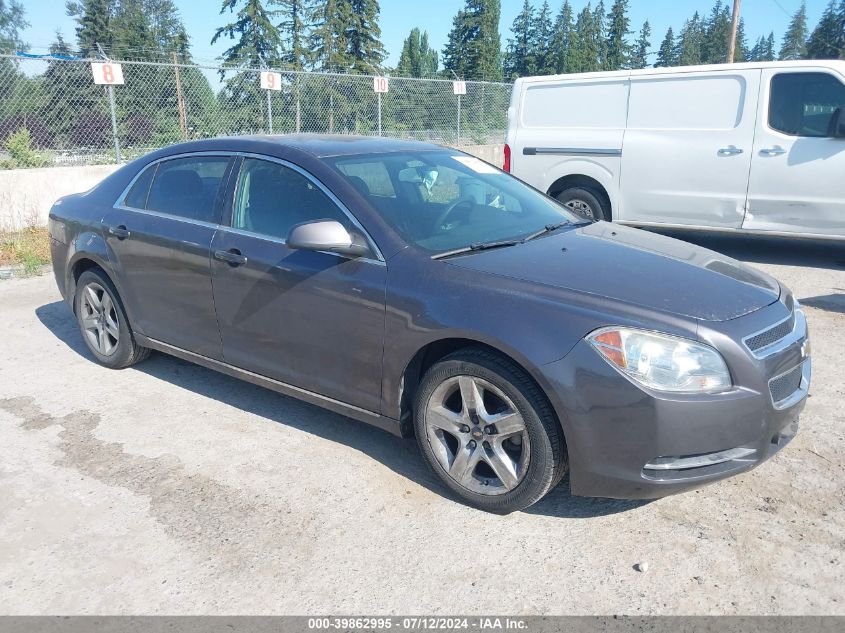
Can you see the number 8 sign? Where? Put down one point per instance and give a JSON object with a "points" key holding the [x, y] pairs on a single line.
{"points": [[107, 73]]}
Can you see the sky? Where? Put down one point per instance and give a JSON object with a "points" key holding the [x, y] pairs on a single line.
{"points": [[398, 17]]}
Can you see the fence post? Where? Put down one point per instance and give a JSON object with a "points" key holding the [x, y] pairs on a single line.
{"points": [[180, 101], [298, 111], [110, 93], [379, 113], [458, 140], [269, 112]]}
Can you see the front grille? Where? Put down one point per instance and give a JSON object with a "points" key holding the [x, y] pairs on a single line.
{"points": [[770, 336], [785, 385]]}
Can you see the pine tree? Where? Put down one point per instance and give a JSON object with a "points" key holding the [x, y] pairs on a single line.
{"points": [[418, 59], [717, 33], [328, 38], [794, 44], [618, 29], [639, 57], [473, 49], [93, 20], [666, 54], [586, 53], [827, 41], [600, 36], [258, 42], [297, 18], [363, 35], [561, 45], [541, 48], [689, 45], [741, 48], [519, 60]]}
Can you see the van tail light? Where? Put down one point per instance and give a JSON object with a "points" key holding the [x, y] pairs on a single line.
{"points": [[507, 166]]}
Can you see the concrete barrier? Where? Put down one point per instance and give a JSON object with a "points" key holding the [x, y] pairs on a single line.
{"points": [[26, 195]]}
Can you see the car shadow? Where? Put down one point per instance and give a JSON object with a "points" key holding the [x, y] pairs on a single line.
{"points": [[400, 455], [767, 250]]}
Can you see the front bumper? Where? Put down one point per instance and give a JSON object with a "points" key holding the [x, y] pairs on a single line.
{"points": [[627, 442]]}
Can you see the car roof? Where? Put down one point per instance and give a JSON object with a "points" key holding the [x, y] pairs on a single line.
{"points": [[317, 145]]}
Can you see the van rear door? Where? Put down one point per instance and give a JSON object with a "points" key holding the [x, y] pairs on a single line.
{"points": [[797, 167], [687, 148]]}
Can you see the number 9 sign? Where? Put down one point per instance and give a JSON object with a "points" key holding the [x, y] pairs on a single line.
{"points": [[270, 80], [107, 73]]}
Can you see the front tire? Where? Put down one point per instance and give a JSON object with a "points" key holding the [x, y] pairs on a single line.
{"points": [[587, 203], [103, 323], [488, 432]]}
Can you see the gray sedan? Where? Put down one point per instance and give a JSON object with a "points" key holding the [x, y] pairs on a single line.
{"points": [[422, 290]]}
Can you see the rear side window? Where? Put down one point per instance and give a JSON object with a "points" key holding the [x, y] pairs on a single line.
{"points": [[137, 196], [271, 199], [188, 187], [803, 104]]}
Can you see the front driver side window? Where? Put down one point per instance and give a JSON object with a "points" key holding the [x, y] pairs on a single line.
{"points": [[804, 104], [270, 199]]}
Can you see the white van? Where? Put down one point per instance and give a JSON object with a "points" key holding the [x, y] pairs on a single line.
{"points": [[754, 148]]}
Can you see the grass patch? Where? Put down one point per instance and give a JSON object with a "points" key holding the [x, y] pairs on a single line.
{"points": [[29, 247]]}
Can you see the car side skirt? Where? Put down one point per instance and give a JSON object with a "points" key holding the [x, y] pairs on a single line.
{"points": [[372, 418]]}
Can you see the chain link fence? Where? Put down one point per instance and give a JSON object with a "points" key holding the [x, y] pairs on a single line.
{"points": [[73, 121]]}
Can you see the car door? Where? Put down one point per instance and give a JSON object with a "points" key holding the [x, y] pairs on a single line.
{"points": [[313, 320], [796, 182], [687, 148], [159, 240]]}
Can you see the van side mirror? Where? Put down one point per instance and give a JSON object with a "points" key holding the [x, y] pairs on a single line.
{"points": [[325, 235], [837, 123]]}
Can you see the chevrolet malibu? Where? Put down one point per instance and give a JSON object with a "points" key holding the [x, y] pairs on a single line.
{"points": [[426, 292]]}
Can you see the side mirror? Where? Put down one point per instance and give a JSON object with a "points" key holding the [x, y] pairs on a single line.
{"points": [[325, 235], [837, 123]]}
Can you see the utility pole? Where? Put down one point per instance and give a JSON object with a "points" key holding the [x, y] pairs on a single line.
{"points": [[180, 102], [734, 25]]}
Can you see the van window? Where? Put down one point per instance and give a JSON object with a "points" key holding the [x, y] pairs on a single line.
{"points": [[599, 104], [687, 103], [188, 187], [803, 104]]}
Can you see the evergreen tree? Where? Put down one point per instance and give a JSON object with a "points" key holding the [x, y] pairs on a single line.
{"points": [[519, 60], [763, 50], [741, 49], [618, 27], [297, 18], [328, 39], [561, 44], [473, 49], [666, 54], [794, 45], [639, 57], [257, 40], [584, 40], [418, 59], [12, 22], [690, 41], [717, 33], [600, 36], [363, 36], [93, 22], [541, 49], [827, 41]]}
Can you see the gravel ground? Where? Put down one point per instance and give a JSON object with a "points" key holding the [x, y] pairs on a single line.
{"points": [[169, 488]]}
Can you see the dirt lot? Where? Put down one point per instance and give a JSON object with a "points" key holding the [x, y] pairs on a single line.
{"points": [[169, 488]]}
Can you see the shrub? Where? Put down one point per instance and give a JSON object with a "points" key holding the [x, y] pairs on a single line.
{"points": [[40, 136], [21, 154]]}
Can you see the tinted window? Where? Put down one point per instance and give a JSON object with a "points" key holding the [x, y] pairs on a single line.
{"points": [[272, 198], [803, 104], [188, 187], [137, 196]]}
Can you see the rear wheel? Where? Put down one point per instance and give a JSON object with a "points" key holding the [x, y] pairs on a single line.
{"points": [[103, 323], [488, 432], [586, 203]]}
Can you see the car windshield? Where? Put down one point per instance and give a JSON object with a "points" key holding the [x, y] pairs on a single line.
{"points": [[444, 200]]}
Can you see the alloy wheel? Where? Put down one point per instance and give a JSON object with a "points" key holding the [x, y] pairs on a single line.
{"points": [[580, 207], [99, 319], [477, 435]]}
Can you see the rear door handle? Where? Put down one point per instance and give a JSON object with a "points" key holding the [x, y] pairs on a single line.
{"points": [[120, 232], [730, 151], [232, 256], [777, 150]]}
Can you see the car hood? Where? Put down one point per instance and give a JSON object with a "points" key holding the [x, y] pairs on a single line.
{"points": [[634, 266]]}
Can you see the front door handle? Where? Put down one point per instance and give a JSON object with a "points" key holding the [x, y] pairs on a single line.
{"points": [[232, 256], [777, 150], [730, 151], [120, 231]]}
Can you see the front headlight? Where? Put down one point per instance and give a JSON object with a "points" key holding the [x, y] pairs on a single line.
{"points": [[661, 361]]}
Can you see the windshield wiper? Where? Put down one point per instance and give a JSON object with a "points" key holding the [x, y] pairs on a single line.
{"points": [[549, 228], [478, 246]]}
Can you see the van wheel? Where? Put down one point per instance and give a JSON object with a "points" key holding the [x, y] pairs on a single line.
{"points": [[488, 432], [103, 323], [587, 203]]}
